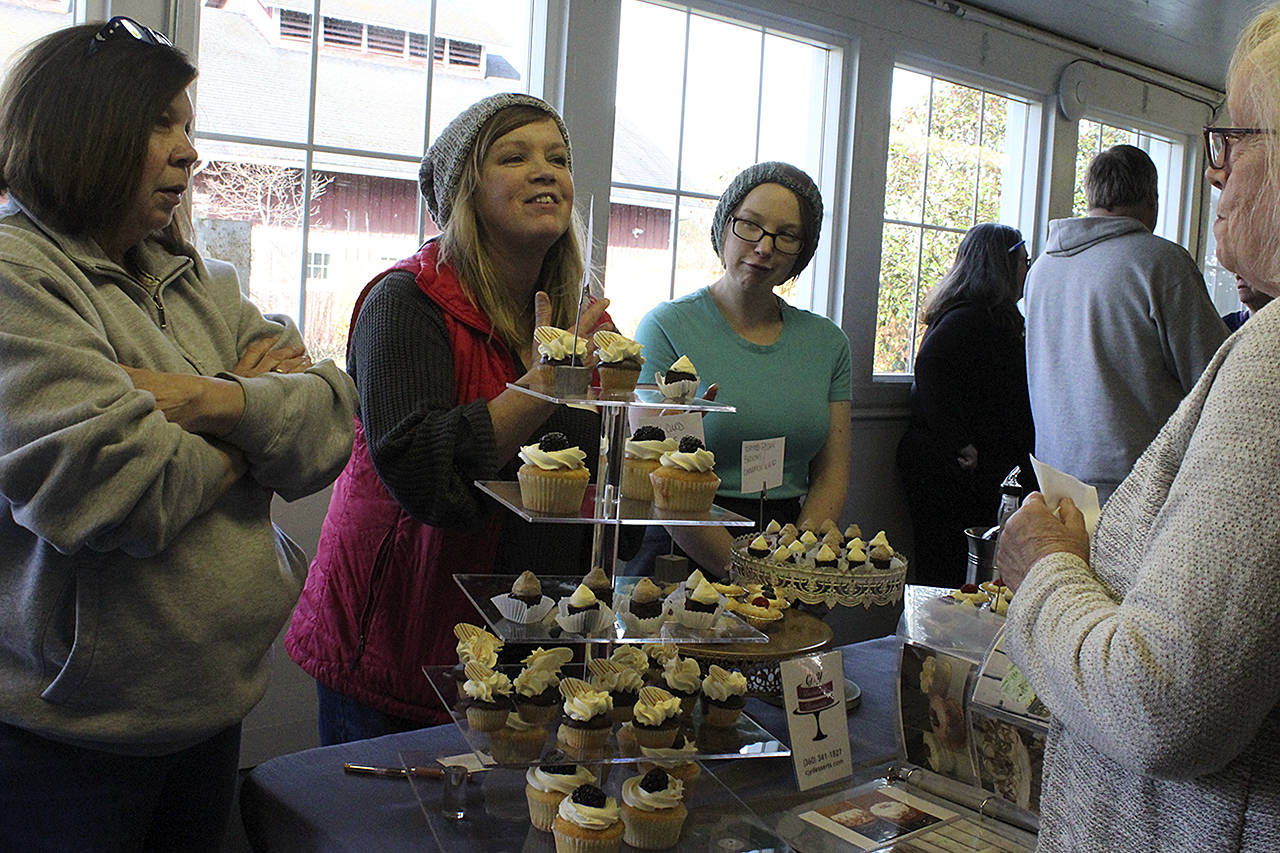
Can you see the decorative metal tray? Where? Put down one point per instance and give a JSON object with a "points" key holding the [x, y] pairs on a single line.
{"points": [[865, 586], [795, 634]]}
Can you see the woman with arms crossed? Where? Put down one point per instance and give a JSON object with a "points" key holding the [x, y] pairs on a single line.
{"points": [[148, 412], [1157, 645], [786, 370]]}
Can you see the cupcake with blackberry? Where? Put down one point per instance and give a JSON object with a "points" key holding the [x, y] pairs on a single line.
{"points": [[488, 698], [684, 480], [600, 585], [553, 478], [587, 822], [537, 686], [677, 760], [723, 695], [640, 457], [622, 683], [620, 361], [682, 678], [642, 612], [525, 603], [700, 608], [546, 786], [680, 381], [656, 720], [587, 712], [653, 811]]}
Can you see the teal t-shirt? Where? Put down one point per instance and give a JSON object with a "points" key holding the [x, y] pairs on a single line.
{"points": [[783, 389]]}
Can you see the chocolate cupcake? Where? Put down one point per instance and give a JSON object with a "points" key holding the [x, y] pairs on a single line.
{"points": [[527, 589], [600, 585], [646, 600]]}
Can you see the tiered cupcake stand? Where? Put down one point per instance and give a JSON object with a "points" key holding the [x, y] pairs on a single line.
{"points": [[495, 814]]}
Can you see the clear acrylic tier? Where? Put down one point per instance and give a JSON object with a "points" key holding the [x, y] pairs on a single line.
{"points": [[745, 739], [644, 396], [495, 813], [614, 511], [482, 589]]}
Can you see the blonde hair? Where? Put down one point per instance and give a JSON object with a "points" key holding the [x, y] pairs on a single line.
{"points": [[1258, 51], [465, 244]]}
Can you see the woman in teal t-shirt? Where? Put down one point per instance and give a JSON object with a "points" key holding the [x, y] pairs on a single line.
{"points": [[785, 370]]}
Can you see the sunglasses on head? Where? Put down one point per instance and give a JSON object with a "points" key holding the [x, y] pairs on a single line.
{"points": [[121, 27]]}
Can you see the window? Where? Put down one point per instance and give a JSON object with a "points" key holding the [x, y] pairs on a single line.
{"points": [[733, 94], [309, 188], [25, 21], [1095, 136], [957, 157]]}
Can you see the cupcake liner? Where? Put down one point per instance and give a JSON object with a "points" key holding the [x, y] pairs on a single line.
{"points": [[519, 612], [635, 483], [555, 495], [539, 715], [584, 740], [659, 830], [639, 627], [543, 806], [586, 622], [683, 495], [617, 380], [720, 717], [693, 619], [660, 738], [487, 719], [681, 389], [574, 839]]}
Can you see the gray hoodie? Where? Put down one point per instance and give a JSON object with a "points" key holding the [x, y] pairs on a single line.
{"points": [[137, 599], [1119, 327]]}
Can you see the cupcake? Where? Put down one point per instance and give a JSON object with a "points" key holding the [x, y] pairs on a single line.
{"points": [[653, 813], [582, 612], [834, 539], [683, 480], [631, 656], [645, 602], [825, 558], [586, 716], [620, 361], [808, 539], [853, 531], [622, 683], [683, 680], [879, 551], [786, 540], [789, 530], [828, 526], [680, 381], [537, 685], [700, 608], [656, 720], [525, 603], [517, 741], [723, 695], [772, 528], [561, 368], [695, 578], [489, 695], [855, 556], [476, 644], [677, 760], [553, 478], [640, 458], [600, 585], [659, 654], [546, 786], [587, 822], [759, 548]]}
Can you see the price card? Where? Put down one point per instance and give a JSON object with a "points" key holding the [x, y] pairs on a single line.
{"points": [[675, 426], [813, 690], [762, 464]]}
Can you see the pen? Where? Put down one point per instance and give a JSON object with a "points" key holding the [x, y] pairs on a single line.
{"points": [[396, 772]]}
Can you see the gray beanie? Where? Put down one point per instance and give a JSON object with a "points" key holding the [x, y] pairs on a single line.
{"points": [[442, 167], [773, 172]]}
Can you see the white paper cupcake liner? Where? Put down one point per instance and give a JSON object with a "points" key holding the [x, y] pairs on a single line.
{"points": [[519, 612], [586, 622], [681, 389], [675, 605], [641, 627]]}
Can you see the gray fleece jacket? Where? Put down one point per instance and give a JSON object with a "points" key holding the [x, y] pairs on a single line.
{"points": [[1119, 327], [137, 599]]}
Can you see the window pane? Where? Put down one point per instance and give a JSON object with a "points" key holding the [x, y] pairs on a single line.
{"points": [[647, 128], [696, 262], [1094, 136], [955, 123], [792, 70], [992, 159], [639, 263], [908, 143], [720, 111], [899, 268]]}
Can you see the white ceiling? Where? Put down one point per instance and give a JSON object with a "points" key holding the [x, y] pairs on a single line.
{"points": [[1192, 39]]}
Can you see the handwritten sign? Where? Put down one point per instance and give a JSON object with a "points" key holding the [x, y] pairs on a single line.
{"points": [[813, 689], [675, 426], [762, 464]]}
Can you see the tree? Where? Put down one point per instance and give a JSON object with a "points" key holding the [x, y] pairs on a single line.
{"points": [[255, 192]]}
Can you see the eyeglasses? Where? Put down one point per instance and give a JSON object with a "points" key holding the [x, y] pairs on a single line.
{"points": [[121, 27], [1018, 245], [1218, 140], [745, 229]]}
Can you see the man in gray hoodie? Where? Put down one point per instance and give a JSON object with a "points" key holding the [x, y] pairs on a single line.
{"points": [[1119, 326]]}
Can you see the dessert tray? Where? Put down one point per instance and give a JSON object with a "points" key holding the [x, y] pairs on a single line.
{"points": [[745, 739], [795, 634], [864, 585]]}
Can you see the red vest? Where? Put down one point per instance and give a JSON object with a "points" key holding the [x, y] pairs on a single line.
{"points": [[380, 600]]}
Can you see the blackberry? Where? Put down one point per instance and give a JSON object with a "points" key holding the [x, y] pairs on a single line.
{"points": [[589, 795], [561, 769], [649, 433], [553, 441], [690, 443], [655, 780]]}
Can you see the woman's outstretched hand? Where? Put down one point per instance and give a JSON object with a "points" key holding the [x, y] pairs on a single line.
{"points": [[1034, 532]]}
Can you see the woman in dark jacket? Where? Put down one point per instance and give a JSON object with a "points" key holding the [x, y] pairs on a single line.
{"points": [[970, 414]]}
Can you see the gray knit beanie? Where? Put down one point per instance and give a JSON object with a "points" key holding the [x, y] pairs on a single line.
{"points": [[442, 167], [773, 172]]}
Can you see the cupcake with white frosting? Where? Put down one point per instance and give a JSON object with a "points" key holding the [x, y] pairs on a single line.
{"points": [[582, 613], [587, 821], [622, 683], [546, 786], [587, 716], [682, 678], [656, 719], [684, 480], [701, 607], [653, 811], [553, 478], [537, 686], [640, 455], [680, 381], [620, 361], [489, 698], [723, 695]]}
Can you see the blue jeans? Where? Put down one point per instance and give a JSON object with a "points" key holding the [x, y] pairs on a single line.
{"points": [[58, 797], [343, 719]]}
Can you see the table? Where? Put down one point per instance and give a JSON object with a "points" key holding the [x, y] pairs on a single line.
{"points": [[305, 802]]}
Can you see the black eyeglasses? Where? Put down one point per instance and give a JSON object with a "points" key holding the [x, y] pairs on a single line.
{"points": [[787, 244], [121, 27], [1218, 141]]}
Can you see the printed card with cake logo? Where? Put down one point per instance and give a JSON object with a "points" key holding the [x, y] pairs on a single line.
{"points": [[813, 690], [876, 816]]}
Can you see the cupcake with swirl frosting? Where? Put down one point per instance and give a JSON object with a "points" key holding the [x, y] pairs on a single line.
{"points": [[561, 368], [622, 684], [546, 786], [676, 760], [680, 381], [653, 811], [489, 698], [553, 478], [620, 361], [587, 716], [587, 821], [684, 480], [723, 695], [682, 678], [631, 656], [701, 607], [656, 719], [640, 457], [537, 686]]}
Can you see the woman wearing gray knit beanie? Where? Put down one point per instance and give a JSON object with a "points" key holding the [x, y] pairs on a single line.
{"points": [[786, 370], [434, 342]]}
